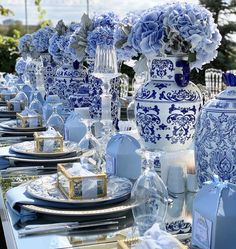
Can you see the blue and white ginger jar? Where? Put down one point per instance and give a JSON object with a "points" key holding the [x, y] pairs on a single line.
{"points": [[167, 105], [215, 143], [49, 71], [95, 91], [71, 80]]}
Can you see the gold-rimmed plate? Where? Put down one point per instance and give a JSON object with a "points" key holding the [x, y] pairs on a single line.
{"points": [[118, 208], [45, 188], [28, 148], [12, 125]]}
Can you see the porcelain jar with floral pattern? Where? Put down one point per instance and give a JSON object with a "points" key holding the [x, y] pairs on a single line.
{"points": [[31, 70], [71, 81], [167, 105], [215, 143], [49, 70], [95, 91]]}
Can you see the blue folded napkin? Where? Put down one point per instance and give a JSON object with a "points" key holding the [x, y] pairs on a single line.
{"points": [[18, 196]]}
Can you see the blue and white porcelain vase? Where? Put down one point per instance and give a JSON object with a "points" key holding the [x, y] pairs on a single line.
{"points": [[95, 91], [71, 80], [31, 71], [49, 70], [167, 105], [215, 142]]}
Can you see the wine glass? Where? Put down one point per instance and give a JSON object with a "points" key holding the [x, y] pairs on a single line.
{"points": [[150, 195], [55, 120], [90, 144], [105, 68]]}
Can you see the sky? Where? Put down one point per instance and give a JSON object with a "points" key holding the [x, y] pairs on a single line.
{"points": [[72, 10]]}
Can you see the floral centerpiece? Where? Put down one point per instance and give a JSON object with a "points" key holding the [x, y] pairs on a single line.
{"points": [[70, 82], [59, 42], [83, 42], [92, 32], [40, 39], [26, 47], [174, 38], [175, 29]]}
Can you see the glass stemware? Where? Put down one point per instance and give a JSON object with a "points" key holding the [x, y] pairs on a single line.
{"points": [[55, 120], [150, 195], [105, 68], [91, 144]]}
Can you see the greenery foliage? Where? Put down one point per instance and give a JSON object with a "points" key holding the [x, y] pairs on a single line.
{"points": [[8, 53]]}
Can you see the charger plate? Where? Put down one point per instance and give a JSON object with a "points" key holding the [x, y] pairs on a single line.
{"points": [[12, 125], [42, 160], [45, 188], [118, 208], [28, 148]]}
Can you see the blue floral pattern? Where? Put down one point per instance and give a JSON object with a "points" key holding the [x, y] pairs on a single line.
{"points": [[182, 120], [148, 117], [215, 146], [180, 95], [161, 68]]}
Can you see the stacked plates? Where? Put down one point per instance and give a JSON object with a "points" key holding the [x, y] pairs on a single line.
{"points": [[25, 152], [5, 113], [9, 128], [45, 189]]}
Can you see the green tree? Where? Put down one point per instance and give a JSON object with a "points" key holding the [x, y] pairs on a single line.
{"points": [[223, 14], [41, 14], [8, 53]]}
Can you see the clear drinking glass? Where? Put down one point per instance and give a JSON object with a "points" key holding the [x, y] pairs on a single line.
{"points": [[150, 195], [55, 120]]}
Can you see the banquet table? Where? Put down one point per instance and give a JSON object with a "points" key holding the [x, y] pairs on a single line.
{"points": [[178, 216]]}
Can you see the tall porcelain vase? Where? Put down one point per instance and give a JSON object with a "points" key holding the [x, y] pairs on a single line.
{"points": [[215, 145], [49, 71], [167, 105], [95, 91], [71, 84]]}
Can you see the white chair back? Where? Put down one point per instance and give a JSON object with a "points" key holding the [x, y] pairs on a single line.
{"points": [[214, 82]]}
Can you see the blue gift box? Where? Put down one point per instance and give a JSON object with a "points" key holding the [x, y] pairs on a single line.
{"points": [[121, 157], [75, 129], [214, 216]]}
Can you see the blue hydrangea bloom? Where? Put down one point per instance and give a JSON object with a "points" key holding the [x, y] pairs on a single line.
{"points": [[177, 28], [103, 35], [109, 19], [40, 38]]}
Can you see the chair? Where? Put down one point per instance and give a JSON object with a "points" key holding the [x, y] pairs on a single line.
{"points": [[214, 82]]}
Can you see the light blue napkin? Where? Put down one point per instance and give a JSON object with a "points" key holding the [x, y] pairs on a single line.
{"points": [[18, 196]]}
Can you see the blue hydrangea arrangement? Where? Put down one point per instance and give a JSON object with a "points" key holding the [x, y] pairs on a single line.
{"points": [[92, 32], [59, 42], [26, 47], [177, 28], [125, 50], [40, 39]]}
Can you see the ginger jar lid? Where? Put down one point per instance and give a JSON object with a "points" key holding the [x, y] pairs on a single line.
{"points": [[230, 91]]}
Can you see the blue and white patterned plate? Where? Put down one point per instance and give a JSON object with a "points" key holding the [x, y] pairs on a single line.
{"points": [[45, 188]]}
